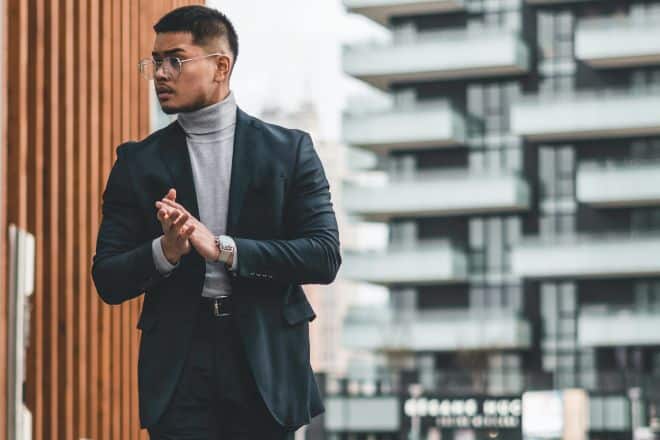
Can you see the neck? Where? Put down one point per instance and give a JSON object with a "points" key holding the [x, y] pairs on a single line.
{"points": [[219, 95], [210, 119]]}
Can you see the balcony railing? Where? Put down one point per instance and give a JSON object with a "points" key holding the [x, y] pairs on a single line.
{"points": [[615, 184], [439, 193], [432, 125], [588, 256], [619, 41], [385, 330], [428, 262], [587, 115], [382, 10], [475, 380], [446, 55], [617, 327]]}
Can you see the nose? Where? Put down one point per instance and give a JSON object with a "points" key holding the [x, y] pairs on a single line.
{"points": [[160, 72]]}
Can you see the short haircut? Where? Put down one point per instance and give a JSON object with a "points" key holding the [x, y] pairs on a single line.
{"points": [[205, 24]]}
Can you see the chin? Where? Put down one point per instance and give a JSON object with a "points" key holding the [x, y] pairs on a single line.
{"points": [[169, 109]]}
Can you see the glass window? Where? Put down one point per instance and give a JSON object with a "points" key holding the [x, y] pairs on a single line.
{"points": [[566, 160], [476, 233], [494, 247], [567, 297]]}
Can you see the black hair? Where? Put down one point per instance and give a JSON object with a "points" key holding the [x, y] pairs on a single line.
{"points": [[203, 23]]}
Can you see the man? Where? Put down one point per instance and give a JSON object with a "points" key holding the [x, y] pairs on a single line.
{"points": [[218, 219]]}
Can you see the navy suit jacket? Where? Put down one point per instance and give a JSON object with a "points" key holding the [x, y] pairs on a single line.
{"points": [[282, 220]]}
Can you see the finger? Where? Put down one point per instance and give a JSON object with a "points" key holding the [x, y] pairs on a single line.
{"points": [[180, 223], [162, 207], [169, 216], [163, 218], [171, 194], [185, 231], [175, 215], [174, 204], [159, 204], [182, 218], [189, 230], [164, 214]]}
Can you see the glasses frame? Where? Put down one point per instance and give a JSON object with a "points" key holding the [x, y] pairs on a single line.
{"points": [[179, 63]]}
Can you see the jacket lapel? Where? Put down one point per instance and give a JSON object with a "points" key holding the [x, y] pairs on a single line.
{"points": [[242, 168], [177, 159], [175, 155]]}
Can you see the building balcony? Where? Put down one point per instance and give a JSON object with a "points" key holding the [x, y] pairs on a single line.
{"points": [[555, 2], [582, 256], [587, 115], [609, 327], [430, 262], [421, 126], [438, 194], [382, 10], [619, 184], [382, 329], [438, 56], [618, 41]]}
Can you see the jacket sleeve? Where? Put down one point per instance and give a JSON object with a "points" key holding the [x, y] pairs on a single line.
{"points": [[123, 265], [312, 253]]}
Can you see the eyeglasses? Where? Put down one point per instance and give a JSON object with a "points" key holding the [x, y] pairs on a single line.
{"points": [[171, 65]]}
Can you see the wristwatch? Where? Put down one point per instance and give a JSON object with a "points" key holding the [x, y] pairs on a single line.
{"points": [[226, 247]]}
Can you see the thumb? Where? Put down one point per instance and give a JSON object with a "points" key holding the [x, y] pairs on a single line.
{"points": [[171, 194]]}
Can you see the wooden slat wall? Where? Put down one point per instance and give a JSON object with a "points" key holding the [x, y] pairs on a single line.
{"points": [[3, 205], [72, 94]]}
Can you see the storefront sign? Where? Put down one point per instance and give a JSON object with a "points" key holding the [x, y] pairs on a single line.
{"points": [[470, 412]]}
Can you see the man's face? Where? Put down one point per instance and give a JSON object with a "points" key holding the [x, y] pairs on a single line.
{"points": [[195, 84]]}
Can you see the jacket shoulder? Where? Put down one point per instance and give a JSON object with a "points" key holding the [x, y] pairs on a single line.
{"points": [[279, 135], [151, 141]]}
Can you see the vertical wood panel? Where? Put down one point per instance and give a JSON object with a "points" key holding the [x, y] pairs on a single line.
{"points": [[71, 95], [106, 107], [82, 146], [4, 58], [93, 214], [66, 317], [51, 233], [124, 322], [36, 214]]}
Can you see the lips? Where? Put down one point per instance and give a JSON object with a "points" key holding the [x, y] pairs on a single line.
{"points": [[164, 92]]}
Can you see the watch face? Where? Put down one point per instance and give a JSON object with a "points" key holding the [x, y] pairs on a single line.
{"points": [[225, 246]]}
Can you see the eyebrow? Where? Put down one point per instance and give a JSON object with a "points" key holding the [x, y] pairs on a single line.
{"points": [[168, 52]]}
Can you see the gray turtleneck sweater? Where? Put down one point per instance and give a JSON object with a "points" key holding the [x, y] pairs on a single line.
{"points": [[210, 140]]}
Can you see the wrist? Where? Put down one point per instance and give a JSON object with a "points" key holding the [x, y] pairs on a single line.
{"points": [[226, 249], [171, 256]]}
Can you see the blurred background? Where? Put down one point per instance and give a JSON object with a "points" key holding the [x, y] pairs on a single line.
{"points": [[495, 170]]}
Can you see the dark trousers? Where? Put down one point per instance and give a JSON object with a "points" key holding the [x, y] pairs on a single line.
{"points": [[216, 397]]}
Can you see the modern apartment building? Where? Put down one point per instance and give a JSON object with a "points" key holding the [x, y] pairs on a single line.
{"points": [[522, 149]]}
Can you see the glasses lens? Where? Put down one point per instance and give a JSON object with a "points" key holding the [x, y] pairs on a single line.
{"points": [[171, 67], [146, 68]]}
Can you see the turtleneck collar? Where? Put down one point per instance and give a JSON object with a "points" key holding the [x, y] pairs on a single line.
{"points": [[210, 119]]}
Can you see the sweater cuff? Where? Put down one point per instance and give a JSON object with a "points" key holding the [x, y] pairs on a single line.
{"points": [[160, 261]]}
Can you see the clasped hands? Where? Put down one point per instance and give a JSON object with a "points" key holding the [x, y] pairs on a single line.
{"points": [[182, 231]]}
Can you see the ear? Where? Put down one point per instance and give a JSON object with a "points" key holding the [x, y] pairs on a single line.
{"points": [[223, 66]]}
